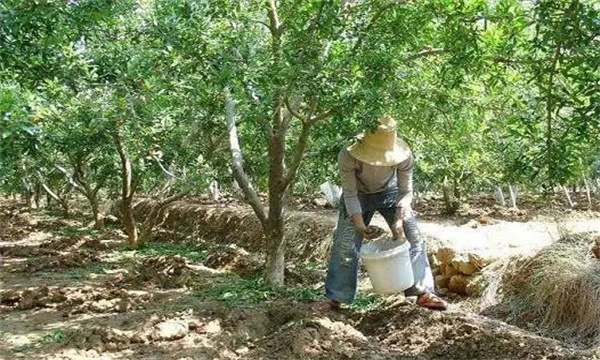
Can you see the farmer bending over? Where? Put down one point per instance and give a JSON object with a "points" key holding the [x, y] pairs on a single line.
{"points": [[376, 175]]}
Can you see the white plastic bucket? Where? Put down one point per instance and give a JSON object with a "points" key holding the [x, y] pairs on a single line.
{"points": [[388, 265]]}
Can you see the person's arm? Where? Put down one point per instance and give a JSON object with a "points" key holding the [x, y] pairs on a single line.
{"points": [[348, 168], [404, 175]]}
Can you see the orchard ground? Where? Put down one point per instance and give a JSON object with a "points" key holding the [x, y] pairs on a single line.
{"points": [[70, 291]]}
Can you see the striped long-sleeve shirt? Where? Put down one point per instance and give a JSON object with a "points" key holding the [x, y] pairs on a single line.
{"points": [[358, 177]]}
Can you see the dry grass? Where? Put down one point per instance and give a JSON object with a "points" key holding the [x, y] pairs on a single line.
{"points": [[557, 290]]}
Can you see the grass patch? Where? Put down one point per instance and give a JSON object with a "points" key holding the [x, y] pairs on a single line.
{"points": [[76, 230], [365, 302], [252, 291], [192, 252], [55, 336]]}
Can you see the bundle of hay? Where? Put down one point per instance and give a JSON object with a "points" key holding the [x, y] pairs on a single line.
{"points": [[557, 290]]}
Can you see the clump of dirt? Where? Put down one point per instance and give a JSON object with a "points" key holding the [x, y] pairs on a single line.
{"points": [[74, 300], [167, 272], [164, 328], [318, 337], [25, 299], [24, 251], [235, 259], [415, 331], [56, 261], [63, 243], [87, 299]]}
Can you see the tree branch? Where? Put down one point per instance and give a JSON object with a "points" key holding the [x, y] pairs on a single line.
{"points": [[298, 154], [237, 162], [425, 52], [292, 111], [172, 198]]}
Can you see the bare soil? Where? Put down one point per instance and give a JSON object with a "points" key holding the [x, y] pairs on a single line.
{"points": [[69, 291]]}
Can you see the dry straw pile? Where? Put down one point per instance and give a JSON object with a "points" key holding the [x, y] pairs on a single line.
{"points": [[557, 290]]}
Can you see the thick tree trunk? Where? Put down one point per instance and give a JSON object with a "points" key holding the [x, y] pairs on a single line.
{"points": [[95, 205], [38, 196], [451, 203], [275, 237], [29, 199]]}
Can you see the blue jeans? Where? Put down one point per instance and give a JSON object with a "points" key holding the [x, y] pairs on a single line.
{"points": [[342, 273]]}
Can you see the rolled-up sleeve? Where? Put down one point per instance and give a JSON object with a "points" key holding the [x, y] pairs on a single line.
{"points": [[404, 174], [348, 169]]}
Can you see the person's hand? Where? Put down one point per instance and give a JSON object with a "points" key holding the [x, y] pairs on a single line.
{"points": [[369, 232], [397, 230]]}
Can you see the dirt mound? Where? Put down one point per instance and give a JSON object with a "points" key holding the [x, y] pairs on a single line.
{"points": [[24, 251], [413, 331], [74, 300], [235, 259], [59, 261], [318, 337], [166, 328], [25, 299], [307, 233], [166, 272], [63, 243]]}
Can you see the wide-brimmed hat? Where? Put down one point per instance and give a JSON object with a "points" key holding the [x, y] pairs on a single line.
{"points": [[380, 147]]}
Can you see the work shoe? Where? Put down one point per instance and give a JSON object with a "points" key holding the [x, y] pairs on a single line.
{"points": [[325, 306], [432, 301]]}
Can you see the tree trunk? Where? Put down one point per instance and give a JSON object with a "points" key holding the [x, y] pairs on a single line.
{"points": [[587, 192], [128, 219], [48, 200], [500, 196], [38, 196], [126, 193], [513, 196], [450, 202], [570, 202], [95, 205], [29, 199]]}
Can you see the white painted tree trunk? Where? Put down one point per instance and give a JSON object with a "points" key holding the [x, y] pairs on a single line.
{"points": [[214, 191], [499, 196], [587, 192], [566, 191], [513, 195]]}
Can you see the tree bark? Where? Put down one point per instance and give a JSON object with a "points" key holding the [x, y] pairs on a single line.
{"points": [[587, 192], [126, 193], [450, 202]]}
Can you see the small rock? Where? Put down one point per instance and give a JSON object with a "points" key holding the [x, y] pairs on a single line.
{"points": [[242, 351], [193, 324], [139, 338], [320, 202], [464, 267], [445, 255], [102, 306], [458, 284], [441, 281], [213, 327], [170, 330]]}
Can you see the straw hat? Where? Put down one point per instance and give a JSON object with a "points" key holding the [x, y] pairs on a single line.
{"points": [[382, 146]]}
